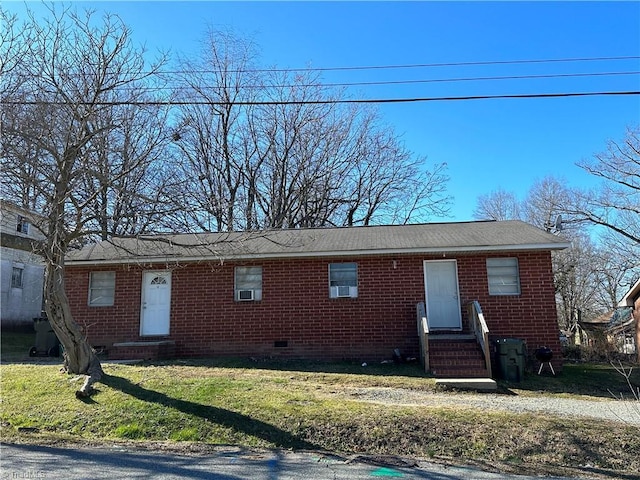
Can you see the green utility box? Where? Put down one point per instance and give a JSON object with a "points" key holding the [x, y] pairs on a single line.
{"points": [[46, 341], [511, 358]]}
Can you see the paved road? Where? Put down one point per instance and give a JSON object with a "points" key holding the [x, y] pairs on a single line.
{"points": [[42, 462]]}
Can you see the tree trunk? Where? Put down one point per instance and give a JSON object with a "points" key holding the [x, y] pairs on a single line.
{"points": [[79, 357]]}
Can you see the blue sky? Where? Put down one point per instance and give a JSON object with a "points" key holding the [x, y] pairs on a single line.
{"points": [[487, 144]]}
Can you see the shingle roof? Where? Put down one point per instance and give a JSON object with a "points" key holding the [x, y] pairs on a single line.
{"points": [[509, 235]]}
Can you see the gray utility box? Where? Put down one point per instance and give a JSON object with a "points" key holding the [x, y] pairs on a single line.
{"points": [[511, 358], [47, 343]]}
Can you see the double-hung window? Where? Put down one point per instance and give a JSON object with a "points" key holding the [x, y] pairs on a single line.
{"points": [[22, 225], [248, 284], [102, 288], [17, 277], [503, 276], [343, 280]]}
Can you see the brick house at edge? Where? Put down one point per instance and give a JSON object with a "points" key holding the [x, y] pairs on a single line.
{"points": [[326, 293]]}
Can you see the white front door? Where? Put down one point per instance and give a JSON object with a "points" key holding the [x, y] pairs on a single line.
{"points": [[443, 301], [156, 303]]}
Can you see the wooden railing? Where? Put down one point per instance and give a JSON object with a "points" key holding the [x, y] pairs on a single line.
{"points": [[423, 334], [481, 332]]}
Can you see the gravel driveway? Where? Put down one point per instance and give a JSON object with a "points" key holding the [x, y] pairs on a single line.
{"points": [[626, 411]]}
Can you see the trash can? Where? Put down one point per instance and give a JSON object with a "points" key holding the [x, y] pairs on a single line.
{"points": [[511, 358], [46, 340]]}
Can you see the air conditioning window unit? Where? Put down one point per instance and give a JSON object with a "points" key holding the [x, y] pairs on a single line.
{"points": [[245, 295], [343, 291]]}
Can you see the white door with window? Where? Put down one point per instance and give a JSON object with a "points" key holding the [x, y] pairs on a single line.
{"points": [[443, 300], [156, 303]]}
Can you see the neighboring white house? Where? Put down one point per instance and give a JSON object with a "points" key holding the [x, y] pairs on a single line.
{"points": [[21, 271]]}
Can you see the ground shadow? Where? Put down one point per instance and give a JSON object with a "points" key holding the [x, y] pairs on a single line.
{"points": [[595, 380], [388, 368], [220, 416], [53, 462]]}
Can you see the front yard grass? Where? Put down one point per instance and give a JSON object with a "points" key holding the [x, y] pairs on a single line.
{"points": [[186, 405]]}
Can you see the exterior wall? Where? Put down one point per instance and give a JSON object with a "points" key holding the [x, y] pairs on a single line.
{"points": [[636, 317], [531, 315], [18, 306], [296, 308]]}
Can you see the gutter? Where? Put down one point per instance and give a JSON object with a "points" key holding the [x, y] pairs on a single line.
{"points": [[335, 253]]}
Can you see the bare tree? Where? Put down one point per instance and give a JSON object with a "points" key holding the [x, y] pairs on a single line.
{"points": [[576, 282], [616, 203], [275, 149], [305, 150], [12, 49], [617, 268], [127, 177], [211, 130], [546, 201], [498, 205], [56, 116], [574, 268], [388, 184]]}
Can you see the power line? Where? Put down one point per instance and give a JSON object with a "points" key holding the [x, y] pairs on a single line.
{"points": [[388, 67], [418, 65], [411, 82], [325, 102], [391, 82]]}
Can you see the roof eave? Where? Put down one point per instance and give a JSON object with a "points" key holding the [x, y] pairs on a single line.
{"points": [[333, 253], [631, 296]]}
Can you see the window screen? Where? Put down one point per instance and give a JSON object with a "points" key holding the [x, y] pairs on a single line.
{"points": [[248, 283], [102, 287], [343, 280], [503, 276]]}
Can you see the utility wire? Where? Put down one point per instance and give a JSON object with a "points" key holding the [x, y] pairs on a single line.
{"points": [[389, 67], [325, 102], [390, 82], [417, 65], [410, 82]]}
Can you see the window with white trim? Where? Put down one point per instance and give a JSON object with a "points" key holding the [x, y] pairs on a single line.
{"points": [[248, 284], [17, 277], [503, 276], [102, 289], [343, 280]]}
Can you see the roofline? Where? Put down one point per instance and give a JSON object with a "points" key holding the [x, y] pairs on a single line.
{"points": [[627, 301], [12, 205], [333, 253]]}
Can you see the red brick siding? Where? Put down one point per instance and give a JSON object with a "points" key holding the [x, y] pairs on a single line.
{"points": [[530, 316], [296, 308]]}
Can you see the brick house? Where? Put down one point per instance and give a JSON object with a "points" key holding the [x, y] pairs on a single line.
{"points": [[326, 293]]}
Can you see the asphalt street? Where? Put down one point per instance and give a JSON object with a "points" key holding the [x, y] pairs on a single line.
{"points": [[45, 462]]}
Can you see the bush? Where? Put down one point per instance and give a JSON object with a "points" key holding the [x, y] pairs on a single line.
{"points": [[572, 352]]}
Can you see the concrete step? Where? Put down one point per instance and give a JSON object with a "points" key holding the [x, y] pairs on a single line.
{"points": [[481, 384]]}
